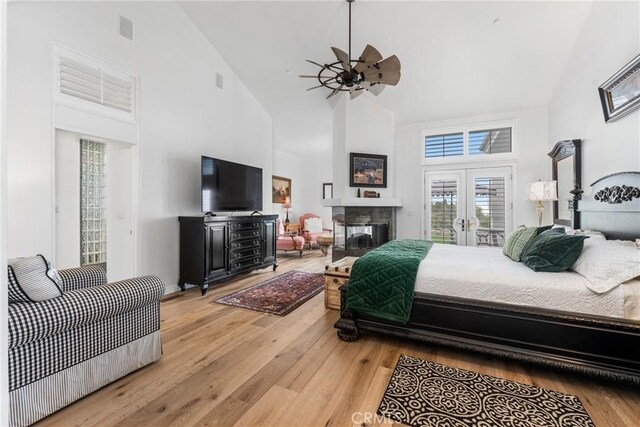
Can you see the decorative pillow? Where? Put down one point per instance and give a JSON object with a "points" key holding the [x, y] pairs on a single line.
{"points": [[553, 251], [606, 264], [313, 225], [33, 279], [517, 241], [280, 228], [547, 227]]}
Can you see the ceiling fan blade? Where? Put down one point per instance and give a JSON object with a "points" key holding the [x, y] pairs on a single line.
{"points": [[335, 91], [355, 92], [342, 57], [377, 89], [385, 72], [315, 87], [370, 56], [307, 77], [314, 63]]}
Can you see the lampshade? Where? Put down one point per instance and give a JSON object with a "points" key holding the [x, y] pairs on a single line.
{"points": [[287, 203], [543, 190]]}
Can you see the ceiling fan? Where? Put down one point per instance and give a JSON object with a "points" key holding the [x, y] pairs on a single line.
{"points": [[370, 72]]}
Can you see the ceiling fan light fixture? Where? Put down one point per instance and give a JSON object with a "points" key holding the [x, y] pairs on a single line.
{"points": [[370, 70]]}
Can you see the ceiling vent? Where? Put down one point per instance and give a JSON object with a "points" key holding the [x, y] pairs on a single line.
{"points": [[219, 81], [126, 28]]}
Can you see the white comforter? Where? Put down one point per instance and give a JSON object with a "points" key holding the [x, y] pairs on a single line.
{"points": [[486, 274]]}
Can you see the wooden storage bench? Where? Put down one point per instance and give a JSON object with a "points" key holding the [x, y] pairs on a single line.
{"points": [[336, 275]]}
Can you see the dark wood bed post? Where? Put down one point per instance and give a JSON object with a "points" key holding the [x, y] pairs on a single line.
{"points": [[347, 329]]}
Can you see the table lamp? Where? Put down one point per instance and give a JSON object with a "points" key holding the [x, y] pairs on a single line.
{"points": [[286, 206], [542, 191]]}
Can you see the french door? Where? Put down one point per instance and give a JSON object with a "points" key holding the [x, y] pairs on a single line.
{"points": [[468, 207]]}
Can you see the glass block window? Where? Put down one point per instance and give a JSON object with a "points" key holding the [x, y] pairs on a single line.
{"points": [[93, 221], [490, 141], [448, 145]]}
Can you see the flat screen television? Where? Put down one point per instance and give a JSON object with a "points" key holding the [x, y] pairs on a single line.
{"points": [[230, 187]]}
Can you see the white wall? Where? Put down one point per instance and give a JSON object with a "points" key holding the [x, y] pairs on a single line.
{"points": [[287, 165], [361, 126], [181, 117], [609, 40], [316, 170], [4, 323], [532, 164]]}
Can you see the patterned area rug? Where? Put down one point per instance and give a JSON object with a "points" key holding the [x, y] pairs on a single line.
{"points": [[422, 393], [280, 295]]}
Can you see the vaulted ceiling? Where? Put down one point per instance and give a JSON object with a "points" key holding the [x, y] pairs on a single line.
{"points": [[458, 58]]}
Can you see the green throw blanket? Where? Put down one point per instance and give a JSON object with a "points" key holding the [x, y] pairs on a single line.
{"points": [[382, 281]]}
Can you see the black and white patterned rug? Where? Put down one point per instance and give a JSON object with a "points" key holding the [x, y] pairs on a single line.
{"points": [[423, 393]]}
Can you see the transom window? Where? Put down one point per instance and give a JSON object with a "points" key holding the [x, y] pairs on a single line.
{"points": [[490, 141]]}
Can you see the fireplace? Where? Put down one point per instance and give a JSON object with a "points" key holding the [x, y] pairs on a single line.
{"points": [[359, 229]]}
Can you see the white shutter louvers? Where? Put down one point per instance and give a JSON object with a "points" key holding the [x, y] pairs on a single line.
{"points": [[89, 80]]}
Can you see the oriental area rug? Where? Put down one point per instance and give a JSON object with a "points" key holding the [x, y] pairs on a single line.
{"points": [[279, 295], [423, 393]]}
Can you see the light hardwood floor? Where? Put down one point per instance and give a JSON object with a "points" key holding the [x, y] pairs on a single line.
{"points": [[224, 366]]}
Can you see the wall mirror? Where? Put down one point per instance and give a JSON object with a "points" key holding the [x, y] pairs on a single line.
{"points": [[566, 170]]}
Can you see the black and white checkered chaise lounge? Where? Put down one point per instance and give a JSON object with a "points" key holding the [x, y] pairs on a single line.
{"points": [[67, 347]]}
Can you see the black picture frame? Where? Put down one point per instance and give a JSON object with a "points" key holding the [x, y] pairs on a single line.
{"points": [[327, 190], [620, 95], [367, 170]]}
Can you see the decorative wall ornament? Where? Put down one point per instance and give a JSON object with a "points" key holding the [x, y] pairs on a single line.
{"points": [[620, 95], [617, 194]]}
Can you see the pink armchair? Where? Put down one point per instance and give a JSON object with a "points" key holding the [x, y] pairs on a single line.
{"points": [[312, 230], [288, 241]]}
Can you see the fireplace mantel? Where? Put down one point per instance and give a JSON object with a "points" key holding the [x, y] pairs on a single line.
{"points": [[363, 201]]}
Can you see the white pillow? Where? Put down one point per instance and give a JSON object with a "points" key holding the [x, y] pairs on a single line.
{"points": [[36, 279], [313, 225], [606, 264]]}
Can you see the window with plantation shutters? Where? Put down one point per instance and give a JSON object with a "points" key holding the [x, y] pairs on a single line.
{"points": [[448, 145], [444, 210], [490, 141], [469, 143], [490, 210], [90, 83]]}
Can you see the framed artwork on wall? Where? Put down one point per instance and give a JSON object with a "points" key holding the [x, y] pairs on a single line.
{"points": [[327, 190], [620, 95], [368, 170], [280, 189]]}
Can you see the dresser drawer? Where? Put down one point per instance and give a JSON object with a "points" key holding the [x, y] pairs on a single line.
{"points": [[241, 245], [244, 234], [244, 253], [245, 263], [238, 226]]}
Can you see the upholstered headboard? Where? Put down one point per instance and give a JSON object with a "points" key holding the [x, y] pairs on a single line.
{"points": [[613, 207]]}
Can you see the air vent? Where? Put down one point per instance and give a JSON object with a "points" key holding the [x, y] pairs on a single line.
{"points": [[126, 28], [219, 81], [86, 81]]}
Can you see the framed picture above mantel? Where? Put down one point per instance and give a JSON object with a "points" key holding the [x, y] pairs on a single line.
{"points": [[367, 170], [620, 95]]}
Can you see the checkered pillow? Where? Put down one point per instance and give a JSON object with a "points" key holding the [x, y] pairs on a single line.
{"points": [[517, 241], [33, 279]]}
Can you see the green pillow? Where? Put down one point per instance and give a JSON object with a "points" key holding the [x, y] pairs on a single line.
{"points": [[546, 227], [553, 251], [517, 241]]}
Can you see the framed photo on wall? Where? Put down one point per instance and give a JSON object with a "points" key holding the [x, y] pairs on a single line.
{"points": [[280, 189], [367, 170], [327, 190], [620, 95]]}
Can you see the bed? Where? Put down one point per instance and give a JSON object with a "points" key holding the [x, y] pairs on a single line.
{"points": [[544, 318]]}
